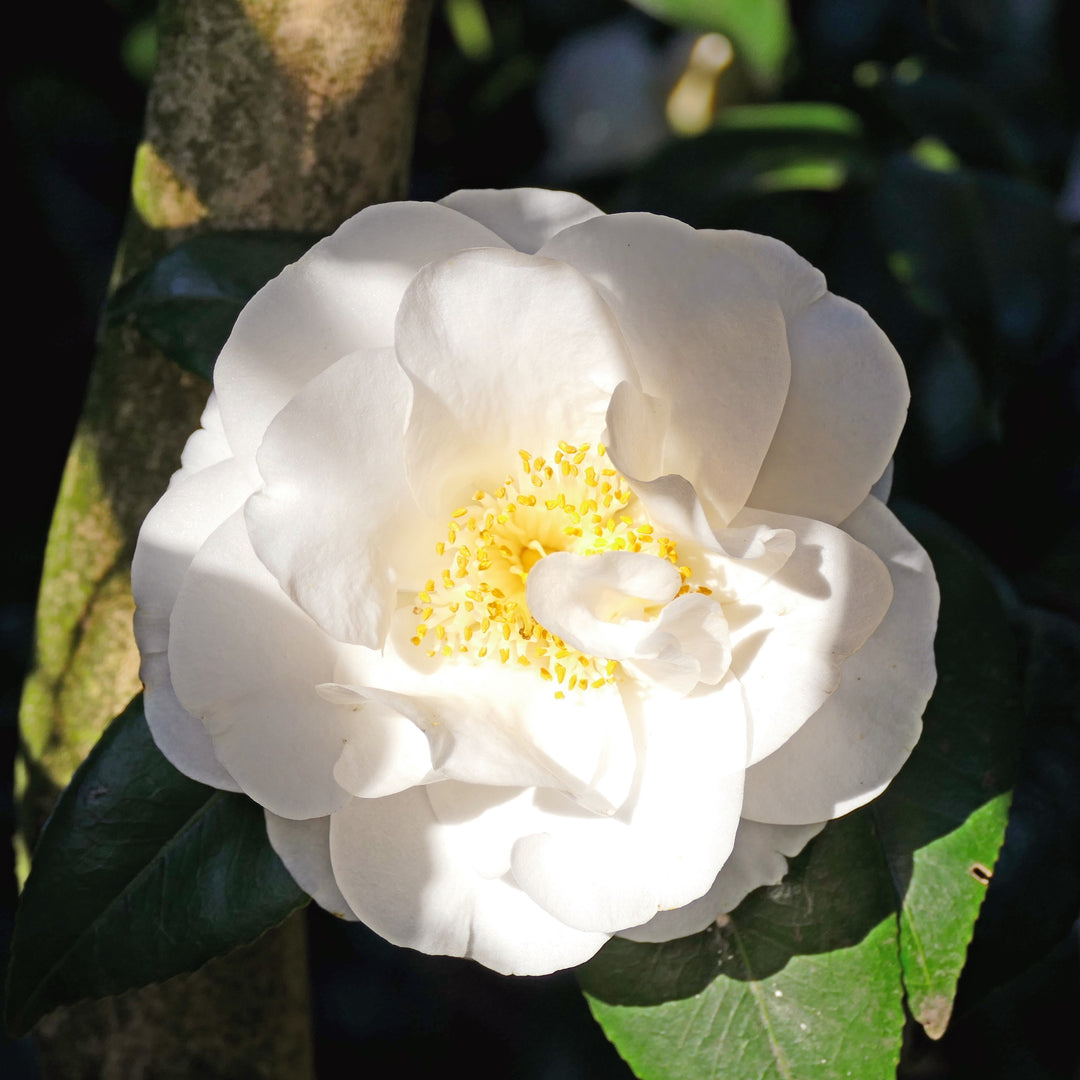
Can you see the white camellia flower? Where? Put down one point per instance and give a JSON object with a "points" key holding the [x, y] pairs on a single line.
{"points": [[526, 569]]}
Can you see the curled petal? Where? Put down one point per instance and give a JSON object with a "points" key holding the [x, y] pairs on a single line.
{"points": [[850, 749], [689, 645], [597, 603], [791, 635], [605, 606], [636, 426], [704, 336]]}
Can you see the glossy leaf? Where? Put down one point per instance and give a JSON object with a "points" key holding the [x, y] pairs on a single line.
{"points": [[187, 302], [943, 819], [139, 875]]}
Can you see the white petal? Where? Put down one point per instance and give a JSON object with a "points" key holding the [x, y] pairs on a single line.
{"points": [[794, 282], [304, 848], [384, 752], [336, 523], [883, 485], [414, 880], [342, 296], [850, 749], [207, 445], [506, 351], [194, 505], [526, 218], [705, 335], [791, 635], [759, 858], [636, 426], [664, 846], [597, 603], [245, 660], [689, 645], [844, 413], [177, 734]]}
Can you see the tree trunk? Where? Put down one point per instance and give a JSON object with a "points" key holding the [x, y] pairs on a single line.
{"points": [[287, 114]]}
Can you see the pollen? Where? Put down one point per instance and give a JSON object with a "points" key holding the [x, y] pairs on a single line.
{"points": [[475, 604]]}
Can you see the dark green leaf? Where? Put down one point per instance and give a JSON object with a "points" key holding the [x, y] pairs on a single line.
{"points": [[806, 978], [958, 114], [1039, 858], [744, 172], [188, 301], [140, 874], [984, 252]]}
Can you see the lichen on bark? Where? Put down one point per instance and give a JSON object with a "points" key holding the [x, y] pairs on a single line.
{"points": [[285, 114]]}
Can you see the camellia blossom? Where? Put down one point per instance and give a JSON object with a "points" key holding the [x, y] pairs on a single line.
{"points": [[529, 571]]}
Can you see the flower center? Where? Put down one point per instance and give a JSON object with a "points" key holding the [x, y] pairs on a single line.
{"points": [[476, 606]]}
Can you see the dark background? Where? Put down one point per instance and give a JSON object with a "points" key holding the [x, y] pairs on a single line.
{"points": [[944, 200]]}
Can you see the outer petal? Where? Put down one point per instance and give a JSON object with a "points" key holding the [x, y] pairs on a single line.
{"points": [[336, 523], [664, 846], [844, 413], [343, 295], [426, 884], [304, 848], [759, 858], [794, 282], [850, 749], [245, 660], [791, 634], [526, 218], [207, 445], [505, 351], [705, 335], [191, 509], [883, 485]]}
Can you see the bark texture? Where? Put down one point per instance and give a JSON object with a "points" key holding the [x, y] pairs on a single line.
{"points": [[286, 114]]}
